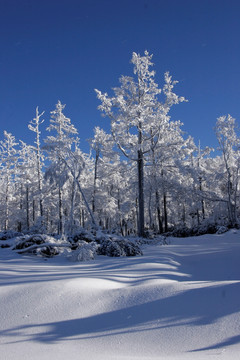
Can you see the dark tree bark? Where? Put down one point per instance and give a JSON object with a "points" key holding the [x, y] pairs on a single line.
{"points": [[140, 194], [165, 212], [160, 225]]}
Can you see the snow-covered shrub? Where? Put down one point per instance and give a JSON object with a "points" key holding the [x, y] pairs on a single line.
{"points": [[130, 248], [149, 234], [25, 241], [4, 246], [221, 230], [118, 247], [81, 235], [110, 248], [38, 244], [85, 252], [48, 251], [204, 228], [180, 232]]}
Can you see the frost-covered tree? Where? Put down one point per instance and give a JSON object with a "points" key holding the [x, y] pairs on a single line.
{"points": [[164, 162], [79, 166], [101, 144], [195, 180], [8, 160], [57, 147], [137, 115], [34, 126], [226, 132], [26, 182]]}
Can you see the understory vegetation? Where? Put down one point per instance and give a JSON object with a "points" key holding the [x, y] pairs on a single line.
{"points": [[83, 246]]}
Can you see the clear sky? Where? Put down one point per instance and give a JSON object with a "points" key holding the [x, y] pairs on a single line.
{"points": [[54, 50]]}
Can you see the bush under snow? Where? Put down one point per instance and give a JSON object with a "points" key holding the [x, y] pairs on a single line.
{"points": [[118, 247], [85, 252], [38, 244]]}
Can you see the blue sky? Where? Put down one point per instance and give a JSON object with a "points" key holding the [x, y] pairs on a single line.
{"points": [[62, 49]]}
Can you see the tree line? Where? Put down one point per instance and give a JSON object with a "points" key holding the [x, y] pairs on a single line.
{"points": [[143, 176]]}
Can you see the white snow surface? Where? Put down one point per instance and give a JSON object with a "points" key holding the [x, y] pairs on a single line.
{"points": [[178, 301]]}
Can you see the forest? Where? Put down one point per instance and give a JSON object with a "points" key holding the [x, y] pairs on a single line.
{"points": [[144, 177]]}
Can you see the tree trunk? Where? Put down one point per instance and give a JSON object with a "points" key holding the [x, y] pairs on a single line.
{"points": [[140, 194], [73, 195], [6, 223], [60, 225], [33, 211], [165, 212], [47, 220], [20, 207], [160, 225], [150, 210], [95, 182], [86, 203], [83, 220], [137, 216], [183, 215], [6, 214], [27, 207], [231, 205], [202, 201], [39, 182]]}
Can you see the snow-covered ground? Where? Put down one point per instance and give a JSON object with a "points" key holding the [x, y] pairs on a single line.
{"points": [[180, 301]]}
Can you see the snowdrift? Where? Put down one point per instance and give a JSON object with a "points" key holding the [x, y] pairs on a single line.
{"points": [[179, 301]]}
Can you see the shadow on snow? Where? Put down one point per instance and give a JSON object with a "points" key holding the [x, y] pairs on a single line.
{"points": [[203, 305]]}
